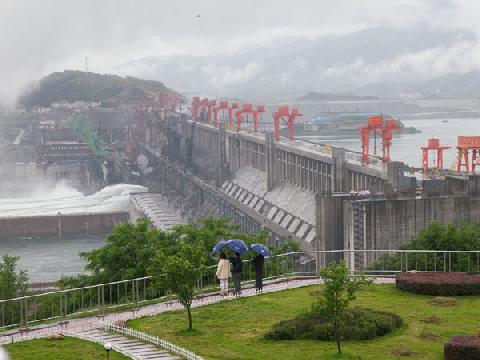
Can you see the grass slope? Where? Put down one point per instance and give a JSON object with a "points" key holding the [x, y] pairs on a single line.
{"points": [[234, 329], [65, 349]]}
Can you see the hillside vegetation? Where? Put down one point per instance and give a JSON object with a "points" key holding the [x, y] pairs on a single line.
{"points": [[74, 86]]}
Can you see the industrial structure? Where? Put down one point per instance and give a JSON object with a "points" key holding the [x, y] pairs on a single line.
{"points": [[218, 162], [433, 145]]}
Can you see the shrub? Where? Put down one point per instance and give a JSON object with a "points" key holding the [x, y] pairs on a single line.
{"points": [[462, 348], [363, 324], [439, 284]]}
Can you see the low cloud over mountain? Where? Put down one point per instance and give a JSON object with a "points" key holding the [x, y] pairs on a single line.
{"points": [[375, 61]]}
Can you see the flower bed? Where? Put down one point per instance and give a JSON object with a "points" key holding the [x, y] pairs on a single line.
{"points": [[439, 283], [462, 348]]}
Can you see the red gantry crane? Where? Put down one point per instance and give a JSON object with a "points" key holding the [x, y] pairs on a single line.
{"points": [[222, 106], [288, 118], [391, 125], [385, 129], [375, 123], [246, 109], [195, 107], [260, 109], [464, 146], [233, 107], [212, 104], [433, 145]]}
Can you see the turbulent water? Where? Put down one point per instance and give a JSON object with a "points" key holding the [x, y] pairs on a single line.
{"points": [[50, 258], [406, 147], [65, 199]]}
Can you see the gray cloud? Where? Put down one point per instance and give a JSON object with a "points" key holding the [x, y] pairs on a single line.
{"points": [[50, 35]]}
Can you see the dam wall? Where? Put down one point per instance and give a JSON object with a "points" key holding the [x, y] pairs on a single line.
{"points": [[60, 225], [218, 153], [388, 223], [301, 191]]}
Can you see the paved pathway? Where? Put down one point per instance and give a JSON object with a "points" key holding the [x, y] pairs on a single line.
{"points": [[90, 324]]}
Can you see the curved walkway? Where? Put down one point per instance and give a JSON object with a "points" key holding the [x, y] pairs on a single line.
{"points": [[84, 325]]}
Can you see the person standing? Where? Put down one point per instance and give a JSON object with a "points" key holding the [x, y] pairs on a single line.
{"points": [[258, 263], [237, 268], [223, 273]]}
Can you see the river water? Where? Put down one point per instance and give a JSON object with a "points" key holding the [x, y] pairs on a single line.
{"points": [[50, 258], [406, 147]]}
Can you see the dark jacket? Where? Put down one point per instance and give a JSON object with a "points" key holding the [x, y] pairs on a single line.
{"points": [[258, 263], [237, 265]]}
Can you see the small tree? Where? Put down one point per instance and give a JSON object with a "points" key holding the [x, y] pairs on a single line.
{"points": [[12, 282], [338, 291], [180, 273]]}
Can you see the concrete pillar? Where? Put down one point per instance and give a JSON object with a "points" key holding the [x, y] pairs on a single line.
{"points": [[394, 173], [271, 158], [329, 226], [222, 155], [338, 171]]}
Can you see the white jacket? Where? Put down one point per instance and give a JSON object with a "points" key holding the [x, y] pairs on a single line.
{"points": [[223, 269]]}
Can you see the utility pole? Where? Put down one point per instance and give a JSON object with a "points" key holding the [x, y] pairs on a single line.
{"points": [[86, 64]]}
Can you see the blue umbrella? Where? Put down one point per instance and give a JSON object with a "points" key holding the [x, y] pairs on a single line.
{"points": [[237, 245], [261, 249], [219, 246]]}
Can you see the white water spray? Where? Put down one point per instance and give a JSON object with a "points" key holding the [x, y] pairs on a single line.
{"points": [[67, 200]]}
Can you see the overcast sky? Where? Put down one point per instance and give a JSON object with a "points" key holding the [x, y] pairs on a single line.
{"points": [[41, 36]]}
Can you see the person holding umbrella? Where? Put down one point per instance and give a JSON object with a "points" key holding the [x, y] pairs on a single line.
{"points": [[223, 273], [237, 267], [258, 262]]}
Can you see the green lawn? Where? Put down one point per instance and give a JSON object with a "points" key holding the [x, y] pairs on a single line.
{"points": [[234, 329], [65, 349]]}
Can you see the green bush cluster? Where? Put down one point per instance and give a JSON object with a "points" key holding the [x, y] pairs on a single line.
{"points": [[439, 237], [361, 324]]}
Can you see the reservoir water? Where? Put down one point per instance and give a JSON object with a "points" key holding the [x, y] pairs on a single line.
{"points": [[406, 147]]}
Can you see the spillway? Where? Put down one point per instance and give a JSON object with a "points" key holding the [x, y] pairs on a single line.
{"points": [[68, 201]]}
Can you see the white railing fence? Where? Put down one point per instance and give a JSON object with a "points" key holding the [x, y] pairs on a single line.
{"points": [[155, 340], [22, 312], [116, 347]]}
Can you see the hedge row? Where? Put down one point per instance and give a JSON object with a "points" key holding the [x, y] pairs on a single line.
{"points": [[439, 283], [462, 348]]}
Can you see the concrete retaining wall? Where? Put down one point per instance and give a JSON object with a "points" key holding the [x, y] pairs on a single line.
{"points": [[386, 224], [60, 225]]}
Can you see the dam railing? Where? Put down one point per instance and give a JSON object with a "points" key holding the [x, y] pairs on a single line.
{"points": [[100, 299]]}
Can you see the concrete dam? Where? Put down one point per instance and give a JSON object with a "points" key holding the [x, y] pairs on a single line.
{"points": [[323, 197]]}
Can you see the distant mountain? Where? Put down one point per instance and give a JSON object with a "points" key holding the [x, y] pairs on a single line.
{"points": [[293, 67], [316, 96], [71, 86], [450, 85]]}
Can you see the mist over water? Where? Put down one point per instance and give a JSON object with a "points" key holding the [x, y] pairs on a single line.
{"points": [[67, 200]]}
